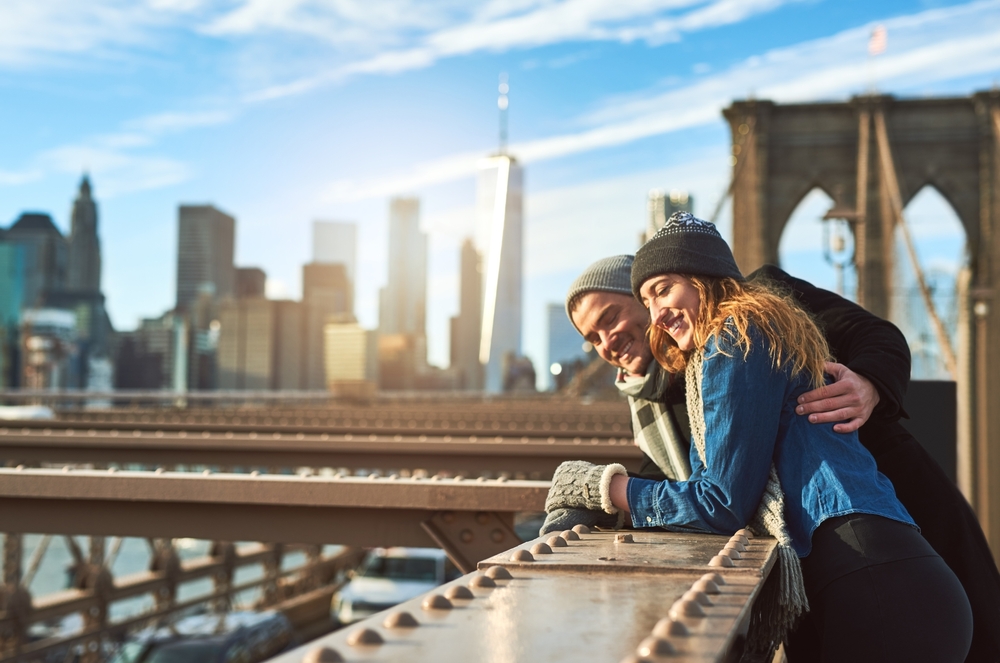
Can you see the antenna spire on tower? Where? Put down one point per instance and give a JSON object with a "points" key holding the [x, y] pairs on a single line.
{"points": [[502, 104]]}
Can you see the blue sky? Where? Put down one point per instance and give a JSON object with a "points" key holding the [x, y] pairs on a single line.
{"points": [[281, 112]]}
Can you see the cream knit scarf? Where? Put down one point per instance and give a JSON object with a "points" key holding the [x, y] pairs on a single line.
{"points": [[777, 608]]}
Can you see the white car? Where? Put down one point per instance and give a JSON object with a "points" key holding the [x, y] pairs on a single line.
{"points": [[389, 576]]}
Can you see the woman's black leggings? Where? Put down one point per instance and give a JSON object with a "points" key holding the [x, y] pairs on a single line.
{"points": [[878, 592]]}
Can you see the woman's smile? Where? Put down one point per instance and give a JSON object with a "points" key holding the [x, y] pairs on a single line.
{"points": [[673, 304]]}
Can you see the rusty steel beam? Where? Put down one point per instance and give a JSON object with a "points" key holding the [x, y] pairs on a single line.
{"points": [[640, 596], [469, 453], [231, 507]]}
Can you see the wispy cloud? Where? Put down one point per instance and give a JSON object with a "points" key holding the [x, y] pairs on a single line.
{"points": [[501, 27], [929, 47], [52, 32], [118, 158]]}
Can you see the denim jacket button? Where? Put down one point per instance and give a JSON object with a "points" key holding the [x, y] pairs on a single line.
{"points": [[649, 519]]}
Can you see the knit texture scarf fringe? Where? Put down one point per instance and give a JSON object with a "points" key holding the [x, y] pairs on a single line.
{"points": [[781, 603]]}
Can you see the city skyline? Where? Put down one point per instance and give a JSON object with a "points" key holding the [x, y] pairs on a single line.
{"points": [[611, 106]]}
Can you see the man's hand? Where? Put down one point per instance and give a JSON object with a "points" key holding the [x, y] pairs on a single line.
{"points": [[850, 399]]}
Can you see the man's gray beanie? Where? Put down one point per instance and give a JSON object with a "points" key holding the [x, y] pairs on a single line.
{"points": [[612, 274]]}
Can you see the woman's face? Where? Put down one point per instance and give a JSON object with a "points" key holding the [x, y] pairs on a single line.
{"points": [[673, 304]]}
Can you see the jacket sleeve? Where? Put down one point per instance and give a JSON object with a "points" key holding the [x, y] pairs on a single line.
{"points": [[865, 343], [742, 403]]}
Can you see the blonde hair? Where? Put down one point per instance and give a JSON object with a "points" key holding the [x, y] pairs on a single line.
{"points": [[729, 307]]}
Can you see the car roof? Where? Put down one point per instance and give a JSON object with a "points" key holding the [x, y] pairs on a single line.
{"points": [[397, 551]]}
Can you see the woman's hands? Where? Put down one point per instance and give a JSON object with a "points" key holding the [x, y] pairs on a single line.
{"points": [[849, 400]]}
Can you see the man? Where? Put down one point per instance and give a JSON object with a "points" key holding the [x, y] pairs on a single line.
{"points": [[867, 394]]}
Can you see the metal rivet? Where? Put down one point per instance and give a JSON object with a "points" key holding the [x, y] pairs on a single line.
{"points": [[498, 573], [206, 472], [737, 546], [653, 647], [581, 529], [483, 582], [541, 549], [556, 542], [745, 533], [400, 620], [740, 538], [706, 586], [624, 538], [482, 518], [322, 655], [667, 627], [684, 608], [466, 536], [522, 555], [497, 536], [459, 592], [714, 577], [731, 552], [722, 560], [448, 516], [436, 602], [364, 636], [697, 596]]}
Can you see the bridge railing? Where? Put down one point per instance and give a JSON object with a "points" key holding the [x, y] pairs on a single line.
{"points": [[580, 595]]}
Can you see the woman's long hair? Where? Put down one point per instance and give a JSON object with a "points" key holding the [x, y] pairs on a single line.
{"points": [[794, 339]]}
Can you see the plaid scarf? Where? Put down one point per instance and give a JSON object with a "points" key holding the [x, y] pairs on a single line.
{"points": [[658, 427]]}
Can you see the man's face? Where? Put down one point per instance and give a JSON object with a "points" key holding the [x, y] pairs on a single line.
{"points": [[615, 324]]}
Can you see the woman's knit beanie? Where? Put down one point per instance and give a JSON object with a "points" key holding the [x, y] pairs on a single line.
{"points": [[606, 275], [684, 245]]}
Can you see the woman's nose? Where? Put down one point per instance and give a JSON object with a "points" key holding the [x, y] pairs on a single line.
{"points": [[656, 313]]}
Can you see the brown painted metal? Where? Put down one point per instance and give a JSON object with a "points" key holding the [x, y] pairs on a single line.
{"points": [[468, 536], [276, 508], [574, 607], [59, 604], [468, 453]]}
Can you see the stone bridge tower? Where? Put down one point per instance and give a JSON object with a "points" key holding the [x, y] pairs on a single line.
{"points": [[872, 154]]}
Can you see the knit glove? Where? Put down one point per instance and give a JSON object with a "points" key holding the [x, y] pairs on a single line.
{"points": [[577, 483], [563, 519]]}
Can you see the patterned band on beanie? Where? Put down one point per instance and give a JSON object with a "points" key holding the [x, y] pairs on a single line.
{"points": [[684, 245], [606, 275]]}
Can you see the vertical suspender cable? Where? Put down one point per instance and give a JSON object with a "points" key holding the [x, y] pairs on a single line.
{"points": [[896, 203]]}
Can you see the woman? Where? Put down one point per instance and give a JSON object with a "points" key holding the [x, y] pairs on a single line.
{"points": [[847, 548]]}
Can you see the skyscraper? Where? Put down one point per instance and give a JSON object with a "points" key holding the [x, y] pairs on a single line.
{"points": [[205, 239], [466, 327], [565, 342], [327, 293], [661, 206], [403, 305], [336, 242], [45, 256], [84, 246], [500, 241], [250, 282]]}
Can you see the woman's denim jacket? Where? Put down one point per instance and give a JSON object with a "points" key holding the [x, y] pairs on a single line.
{"points": [[750, 422]]}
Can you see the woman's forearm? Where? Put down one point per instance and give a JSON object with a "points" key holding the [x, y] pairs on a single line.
{"points": [[619, 492]]}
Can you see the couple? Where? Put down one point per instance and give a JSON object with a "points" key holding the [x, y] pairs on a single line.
{"points": [[745, 421]]}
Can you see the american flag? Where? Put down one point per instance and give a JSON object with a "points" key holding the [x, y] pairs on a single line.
{"points": [[878, 40]]}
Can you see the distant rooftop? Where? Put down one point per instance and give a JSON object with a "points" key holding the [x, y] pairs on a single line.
{"points": [[35, 222]]}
